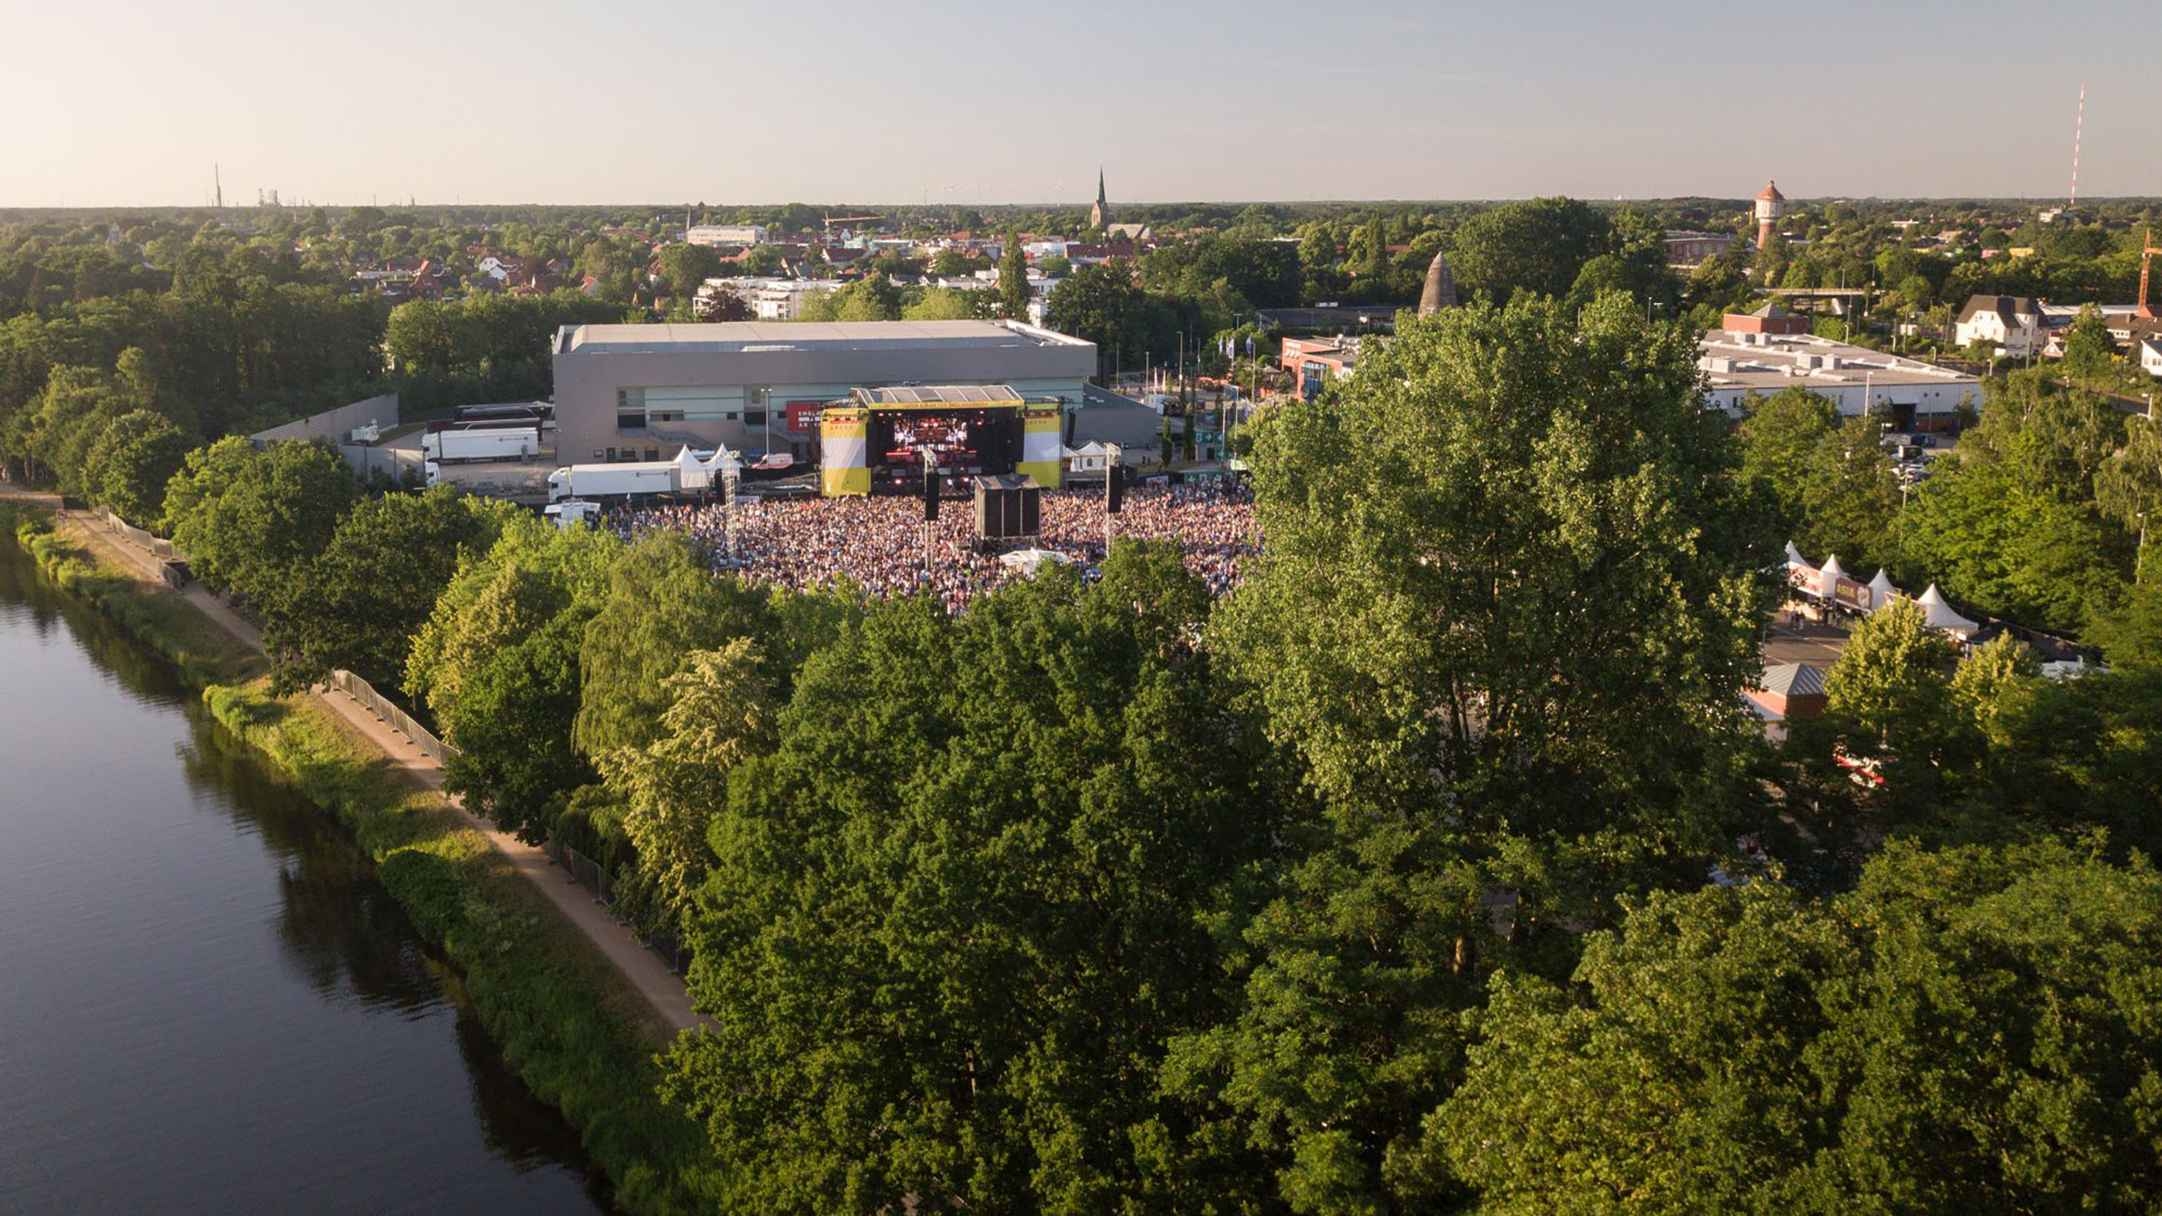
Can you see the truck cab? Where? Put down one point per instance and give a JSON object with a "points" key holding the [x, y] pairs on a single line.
{"points": [[572, 512]]}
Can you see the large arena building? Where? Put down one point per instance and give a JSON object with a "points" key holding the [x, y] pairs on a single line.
{"points": [[640, 392]]}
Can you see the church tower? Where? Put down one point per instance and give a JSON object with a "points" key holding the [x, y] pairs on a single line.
{"points": [[1100, 214]]}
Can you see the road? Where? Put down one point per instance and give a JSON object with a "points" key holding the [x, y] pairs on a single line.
{"points": [[1810, 643]]}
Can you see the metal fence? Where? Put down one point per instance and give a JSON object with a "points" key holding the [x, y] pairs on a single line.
{"points": [[397, 719], [141, 539], [594, 877]]}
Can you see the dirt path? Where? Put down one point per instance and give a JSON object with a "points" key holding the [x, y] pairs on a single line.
{"points": [[641, 968]]}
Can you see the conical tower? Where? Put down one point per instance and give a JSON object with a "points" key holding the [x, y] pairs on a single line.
{"points": [[1100, 214], [1440, 290]]}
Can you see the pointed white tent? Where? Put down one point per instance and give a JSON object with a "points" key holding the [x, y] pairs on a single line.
{"points": [[1881, 590], [1795, 558], [721, 461], [690, 474], [1828, 577], [1939, 615]]}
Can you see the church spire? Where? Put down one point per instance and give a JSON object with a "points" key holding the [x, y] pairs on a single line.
{"points": [[1100, 214]]}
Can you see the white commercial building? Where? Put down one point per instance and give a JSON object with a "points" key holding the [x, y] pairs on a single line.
{"points": [[1917, 395], [725, 234]]}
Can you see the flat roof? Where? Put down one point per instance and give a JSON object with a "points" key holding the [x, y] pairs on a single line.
{"points": [[742, 337], [1774, 361], [937, 394]]}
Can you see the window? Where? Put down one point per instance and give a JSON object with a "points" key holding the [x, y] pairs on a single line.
{"points": [[664, 416], [754, 417], [611, 455], [653, 453]]}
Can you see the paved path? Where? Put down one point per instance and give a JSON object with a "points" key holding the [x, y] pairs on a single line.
{"points": [[641, 968]]}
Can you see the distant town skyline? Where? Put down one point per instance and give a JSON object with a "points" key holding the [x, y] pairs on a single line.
{"points": [[550, 102]]}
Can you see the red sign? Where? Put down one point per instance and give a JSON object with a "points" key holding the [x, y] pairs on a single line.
{"points": [[1852, 594], [803, 416]]}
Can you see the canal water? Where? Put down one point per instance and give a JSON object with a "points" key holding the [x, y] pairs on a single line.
{"points": [[207, 1002]]}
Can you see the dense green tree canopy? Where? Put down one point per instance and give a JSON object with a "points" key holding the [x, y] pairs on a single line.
{"points": [[953, 917], [1972, 1030], [1486, 551], [357, 603], [249, 520]]}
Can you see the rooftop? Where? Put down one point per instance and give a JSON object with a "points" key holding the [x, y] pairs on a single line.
{"points": [[737, 337], [1770, 362]]}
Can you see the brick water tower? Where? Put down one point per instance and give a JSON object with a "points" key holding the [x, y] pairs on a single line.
{"points": [[1771, 204]]}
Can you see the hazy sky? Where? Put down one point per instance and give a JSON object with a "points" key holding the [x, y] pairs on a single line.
{"points": [[847, 100]]}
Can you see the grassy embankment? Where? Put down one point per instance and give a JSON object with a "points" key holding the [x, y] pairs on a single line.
{"points": [[573, 1031]]}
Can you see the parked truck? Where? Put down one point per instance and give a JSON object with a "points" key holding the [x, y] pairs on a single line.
{"points": [[613, 480], [519, 443]]}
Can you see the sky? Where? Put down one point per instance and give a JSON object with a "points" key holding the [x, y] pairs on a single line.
{"points": [[578, 101]]}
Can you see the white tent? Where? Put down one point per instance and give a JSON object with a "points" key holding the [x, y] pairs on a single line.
{"points": [[1029, 561], [1828, 577], [690, 474], [1881, 590], [721, 461], [1795, 558], [1939, 615]]}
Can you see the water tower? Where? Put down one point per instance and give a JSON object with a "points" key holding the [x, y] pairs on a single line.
{"points": [[1771, 204]]}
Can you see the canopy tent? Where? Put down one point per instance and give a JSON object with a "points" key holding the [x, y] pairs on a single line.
{"points": [[1828, 577], [721, 461], [1795, 558], [1939, 615], [1881, 591], [1029, 561], [690, 474]]}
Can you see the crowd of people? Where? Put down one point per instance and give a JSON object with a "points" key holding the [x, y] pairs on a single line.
{"points": [[881, 546]]}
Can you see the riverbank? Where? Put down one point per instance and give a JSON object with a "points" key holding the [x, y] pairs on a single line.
{"points": [[563, 1016]]}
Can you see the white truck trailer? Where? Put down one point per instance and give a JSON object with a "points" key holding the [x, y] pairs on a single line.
{"points": [[482, 443], [614, 480]]}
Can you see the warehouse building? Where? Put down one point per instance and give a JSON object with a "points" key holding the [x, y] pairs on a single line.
{"points": [[1915, 396], [636, 392]]}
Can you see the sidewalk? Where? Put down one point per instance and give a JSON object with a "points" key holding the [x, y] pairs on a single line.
{"points": [[640, 967]]}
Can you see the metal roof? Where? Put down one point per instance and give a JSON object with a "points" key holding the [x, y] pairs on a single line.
{"points": [[936, 394], [736, 337]]}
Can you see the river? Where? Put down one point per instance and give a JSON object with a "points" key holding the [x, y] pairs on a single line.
{"points": [[207, 1002]]}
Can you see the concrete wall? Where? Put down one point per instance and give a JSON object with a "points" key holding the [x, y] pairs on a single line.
{"points": [[586, 380], [335, 425]]}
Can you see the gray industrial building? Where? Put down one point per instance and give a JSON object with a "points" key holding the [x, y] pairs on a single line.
{"points": [[639, 392]]}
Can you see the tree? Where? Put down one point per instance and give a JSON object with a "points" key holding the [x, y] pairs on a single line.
{"points": [[1483, 548], [720, 712], [662, 604], [949, 304], [2089, 353], [1103, 305], [954, 914], [497, 666], [357, 604], [1539, 245], [249, 520], [1851, 499], [127, 468], [1013, 293], [687, 266], [1891, 679], [1970, 1030], [1782, 439]]}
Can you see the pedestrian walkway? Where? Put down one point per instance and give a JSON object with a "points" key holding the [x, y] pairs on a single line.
{"points": [[641, 968]]}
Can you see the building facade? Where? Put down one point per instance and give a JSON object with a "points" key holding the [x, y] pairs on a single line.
{"points": [[639, 392], [2015, 323], [725, 234]]}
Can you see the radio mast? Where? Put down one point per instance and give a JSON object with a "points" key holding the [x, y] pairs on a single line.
{"points": [[2077, 123]]}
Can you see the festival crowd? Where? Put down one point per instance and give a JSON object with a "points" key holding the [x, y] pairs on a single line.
{"points": [[878, 543]]}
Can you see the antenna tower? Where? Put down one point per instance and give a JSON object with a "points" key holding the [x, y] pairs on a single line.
{"points": [[217, 185], [2077, 125]]}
